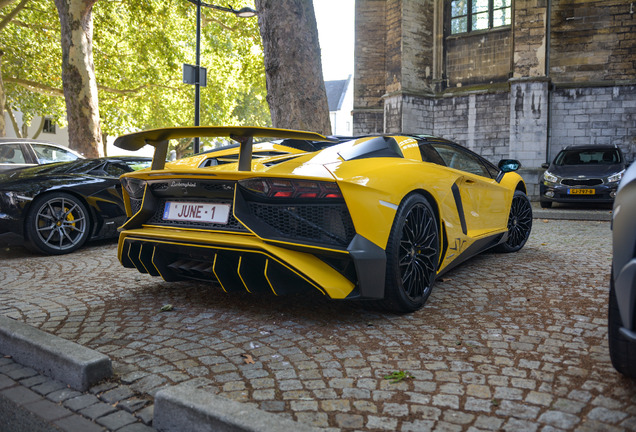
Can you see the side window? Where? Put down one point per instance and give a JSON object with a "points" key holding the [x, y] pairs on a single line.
{"points": [[430, 155], [116, 169], [47, 154], [12, 154], [460, 159]]}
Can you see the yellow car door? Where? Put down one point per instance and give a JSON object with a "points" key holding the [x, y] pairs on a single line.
{"points": [[483, 201]]}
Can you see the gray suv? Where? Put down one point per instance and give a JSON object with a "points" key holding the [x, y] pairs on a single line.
{"points": [[582, 174], [622, 297]]}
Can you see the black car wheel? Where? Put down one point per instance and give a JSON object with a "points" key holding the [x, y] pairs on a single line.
{"points": [[622, 350], [58, 223], [412, 256], [519, 223]]}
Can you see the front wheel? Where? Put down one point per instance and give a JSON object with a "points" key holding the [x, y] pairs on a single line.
{"points": [[412, 256], [56, 224], [519, 223]]}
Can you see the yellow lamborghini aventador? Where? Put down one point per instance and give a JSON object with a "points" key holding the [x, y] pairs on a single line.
{"points": [[376, 217]]}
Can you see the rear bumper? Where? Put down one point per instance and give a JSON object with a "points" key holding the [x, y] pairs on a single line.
{"points": [[246, 262]]}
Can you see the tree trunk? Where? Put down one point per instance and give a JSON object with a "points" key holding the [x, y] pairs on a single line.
{"points": [[3, 124], [78, 76], [295, 86]]}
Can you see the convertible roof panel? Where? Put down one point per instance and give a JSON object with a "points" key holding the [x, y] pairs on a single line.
{"points": [[382, 146]]}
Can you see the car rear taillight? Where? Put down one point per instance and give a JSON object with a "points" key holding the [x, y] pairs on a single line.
{"points": [[292, 188]]}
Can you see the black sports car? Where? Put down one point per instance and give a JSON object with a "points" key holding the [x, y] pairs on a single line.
{"points": [[57, 207]]}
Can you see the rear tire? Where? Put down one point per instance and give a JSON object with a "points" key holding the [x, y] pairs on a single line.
{"points": [[622, 350], [519, 224], [412, 256]]}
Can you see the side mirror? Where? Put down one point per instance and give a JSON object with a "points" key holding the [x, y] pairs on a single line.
{"points": [[506, 166], [545, 165]]}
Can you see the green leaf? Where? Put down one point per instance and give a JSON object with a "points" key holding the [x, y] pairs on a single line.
{"points": [[397, 376]]}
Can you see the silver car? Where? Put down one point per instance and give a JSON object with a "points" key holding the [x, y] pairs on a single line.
{"points": [[23, 152], [622, 298]]}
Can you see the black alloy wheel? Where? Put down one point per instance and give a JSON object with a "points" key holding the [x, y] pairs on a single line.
{"points": [[57, 223], [519, 223], [412, 255]]}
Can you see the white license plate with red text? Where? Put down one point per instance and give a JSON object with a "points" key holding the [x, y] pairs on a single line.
{"points": [[197, 212]]}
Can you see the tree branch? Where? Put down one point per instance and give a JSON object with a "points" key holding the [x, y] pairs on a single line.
{"points": [[7, 19], [5, 3], [132, 91], [207, 21], [14, 122], [35, 87], [40, 128], [57, 92], [22, 24]]}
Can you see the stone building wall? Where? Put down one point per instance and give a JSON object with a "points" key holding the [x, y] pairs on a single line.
{"points": [[478, 121], [593, 41], [597, 115], [477, 58], [562, 73]]}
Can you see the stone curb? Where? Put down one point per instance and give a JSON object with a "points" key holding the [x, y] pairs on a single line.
{"points": [[570, 214], [182, 408], [63, 360]]}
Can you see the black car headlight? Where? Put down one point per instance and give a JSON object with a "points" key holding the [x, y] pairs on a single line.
{"points": [[550, 178], [615, 178], [134, 186], [12, 199]]}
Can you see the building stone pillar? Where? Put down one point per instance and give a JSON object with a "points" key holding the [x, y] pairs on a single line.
{"points": [[370, 66], [394, 37], [529, 111], [530, 84]]}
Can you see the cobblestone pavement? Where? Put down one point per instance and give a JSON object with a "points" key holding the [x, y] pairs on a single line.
{"points": [[505, 342]]}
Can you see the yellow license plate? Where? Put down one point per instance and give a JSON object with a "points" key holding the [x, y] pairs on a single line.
{"points": [[581, 191]]}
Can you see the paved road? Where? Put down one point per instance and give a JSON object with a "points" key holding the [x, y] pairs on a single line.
{"points": [[505, 342]]}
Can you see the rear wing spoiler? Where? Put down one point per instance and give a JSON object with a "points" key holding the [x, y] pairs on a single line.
{"points": [[158, 138]]}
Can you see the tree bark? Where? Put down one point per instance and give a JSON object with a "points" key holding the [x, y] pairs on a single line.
{"points": [[293, 69], [78, 76], [3, 99]]}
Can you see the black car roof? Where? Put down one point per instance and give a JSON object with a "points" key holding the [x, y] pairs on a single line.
{"points": [[592, 147], [79, 166]]}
